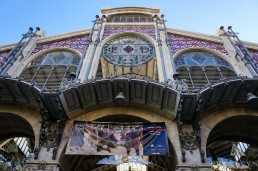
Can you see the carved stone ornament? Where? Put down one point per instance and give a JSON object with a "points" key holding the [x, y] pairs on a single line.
{"points": [[189, 142], [50, 140]]}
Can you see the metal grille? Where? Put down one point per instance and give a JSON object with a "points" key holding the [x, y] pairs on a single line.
{"points": [[49, 70], [200, 69]]}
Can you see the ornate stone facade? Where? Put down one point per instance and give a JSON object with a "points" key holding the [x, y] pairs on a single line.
{"points": [[148, 30], [179, 42], [200, 86]]}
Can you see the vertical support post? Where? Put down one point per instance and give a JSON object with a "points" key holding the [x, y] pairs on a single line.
{"points": [[67, 68], [160, 49], [204, 72], [48, 77], [88, 41], [175, 74], [97, 22], [35, 73], [197, 130], [179, 127], [190, 76], [218, 69]]}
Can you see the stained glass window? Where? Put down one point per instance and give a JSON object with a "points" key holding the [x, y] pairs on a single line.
{"points": [[57, 58], [128, 51], [50, 69], [201, 59], [201, 69]]}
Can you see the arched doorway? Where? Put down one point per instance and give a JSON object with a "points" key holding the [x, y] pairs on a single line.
{"points": [[16, 141], [80, 163], [233, 142]]}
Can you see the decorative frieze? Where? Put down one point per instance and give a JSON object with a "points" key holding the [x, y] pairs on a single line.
{"points": [[181, 42], [77, 43], [148, 30]]}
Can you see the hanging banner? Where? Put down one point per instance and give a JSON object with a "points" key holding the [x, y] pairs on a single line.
{"points": [[111, 138]]}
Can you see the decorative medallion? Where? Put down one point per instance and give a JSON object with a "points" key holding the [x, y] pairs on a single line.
{"points": [[189, 142], [128, 51], [50, 141]]}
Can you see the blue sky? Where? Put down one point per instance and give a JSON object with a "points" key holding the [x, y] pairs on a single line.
{"points": [[59, 16]]}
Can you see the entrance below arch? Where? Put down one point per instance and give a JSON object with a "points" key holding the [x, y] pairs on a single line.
{"points": [[90, 162], [234, 142], [16, 141]]}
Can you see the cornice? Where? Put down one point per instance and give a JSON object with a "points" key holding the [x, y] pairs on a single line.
{"points": [[196, 35], [110, 11], [129, 24], [63, 36], [52, 38], [251, 45]]}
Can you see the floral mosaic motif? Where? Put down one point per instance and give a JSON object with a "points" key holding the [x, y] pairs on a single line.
{"points": [[77, 43], [181, 42], [149, 30], [128, 51]]}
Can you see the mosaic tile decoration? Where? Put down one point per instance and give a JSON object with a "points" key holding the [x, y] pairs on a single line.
{"points": [[148, 30], [77, 43], [182, 42]]}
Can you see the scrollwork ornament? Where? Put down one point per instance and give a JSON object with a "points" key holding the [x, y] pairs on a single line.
{"points": [[189, 142], [50, 140]]}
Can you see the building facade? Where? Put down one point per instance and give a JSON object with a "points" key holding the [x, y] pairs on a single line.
{"points": [[130, 68]]}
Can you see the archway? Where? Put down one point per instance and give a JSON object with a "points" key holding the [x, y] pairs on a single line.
{"points": [[52, 67], [130, 55], [233, 141], [79, 162], [203, 67], [16, 141]]}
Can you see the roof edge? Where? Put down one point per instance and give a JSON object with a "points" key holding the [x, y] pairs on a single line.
{"points": [[117, 10]]}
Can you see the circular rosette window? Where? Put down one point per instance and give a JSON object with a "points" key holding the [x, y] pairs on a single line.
{"points": [[128, 51]]}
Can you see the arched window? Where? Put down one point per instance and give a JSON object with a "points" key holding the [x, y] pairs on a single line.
{"points": [[201, 68], [129, 56], [48, 70]]}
